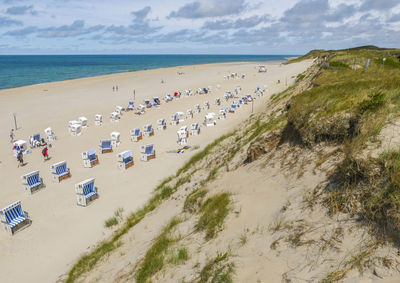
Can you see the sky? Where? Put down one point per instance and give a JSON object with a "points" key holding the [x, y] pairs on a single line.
{"points": [[195, 26]]}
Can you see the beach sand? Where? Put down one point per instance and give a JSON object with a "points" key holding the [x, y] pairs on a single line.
{"points": [[61, 230]]}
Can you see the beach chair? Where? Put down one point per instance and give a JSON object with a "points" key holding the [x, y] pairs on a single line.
{"points": [[98, 120], [233, 108], [115, 116], [60, 171], [131, 106], [243, 76], [238, 89], [32, 182], [50, 134], [83, 121], [119, 109], [189, 114], [174, 120], [75, 129], [147, 103], [181, 116], [148, 130], [206, 105], [136, 135], [19, 145], [105, 146], [194, 129], [90, 158], [217, 101], [222, 113], [147, 152], [156, 100], [14, 218], [115, 139], [249, 98], [168, 97], [197, 108], [182, 137], [209, 119], [240, 102], [85, 192], [161, 124], [141, 109], [36, 138], [125, 159]]}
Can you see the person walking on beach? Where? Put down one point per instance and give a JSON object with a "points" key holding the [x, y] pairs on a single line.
{"points": [[45, 153], [116, 88], [20, 158], [12, 135], [113, 88]]}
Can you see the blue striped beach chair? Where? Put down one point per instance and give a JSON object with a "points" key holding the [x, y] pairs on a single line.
{"points": [[32, 181], [194, 129], [233, 108], [147, 152], [174, 119], [60, 171], [148, 130], [136, 135], [36, 137], [90, 158], [85, 192], [161, 124], [105, 146], [131, 106], [14, 218], [125, 159]]}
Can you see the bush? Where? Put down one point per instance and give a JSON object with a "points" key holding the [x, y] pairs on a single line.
{"points": [[373, 103]]}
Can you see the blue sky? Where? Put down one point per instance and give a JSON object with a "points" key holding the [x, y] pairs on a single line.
{"points": [[195, 26]]}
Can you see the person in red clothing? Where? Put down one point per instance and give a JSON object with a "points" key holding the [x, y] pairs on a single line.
{"points": [[45, 153]]}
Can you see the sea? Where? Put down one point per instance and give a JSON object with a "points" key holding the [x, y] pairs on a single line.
{"points": [[23, 70]]}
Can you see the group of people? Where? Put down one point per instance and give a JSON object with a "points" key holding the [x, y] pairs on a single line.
{"points": [[115, 88], [20, 154]]}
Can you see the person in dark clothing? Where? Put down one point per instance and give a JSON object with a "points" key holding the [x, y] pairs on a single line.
{"points": [[20, 158]]}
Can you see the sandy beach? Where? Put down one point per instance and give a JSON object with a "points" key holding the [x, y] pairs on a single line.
{"points": [[61, 230]]}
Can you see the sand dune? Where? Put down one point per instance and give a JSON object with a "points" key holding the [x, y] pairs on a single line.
{"points": [[61, 230]]}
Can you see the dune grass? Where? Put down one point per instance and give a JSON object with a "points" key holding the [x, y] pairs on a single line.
{"points": [[217, 270], [154, 259], [212, 214]]}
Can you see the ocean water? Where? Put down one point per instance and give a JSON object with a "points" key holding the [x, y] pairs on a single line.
{"points": [[22, 70]]}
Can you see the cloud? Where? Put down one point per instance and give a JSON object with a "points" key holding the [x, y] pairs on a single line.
{"points": [[395, 18], [6, 22], [141, 15], [379, 5], [21, 10], [209, 8], [22, 32], [75, 29], [248, 22]]}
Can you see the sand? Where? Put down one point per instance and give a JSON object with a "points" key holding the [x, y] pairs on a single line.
{"points": [[61, 231]]}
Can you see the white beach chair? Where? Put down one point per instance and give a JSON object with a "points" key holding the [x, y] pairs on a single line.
{"points": [[32, 182], [125, 159], [182, 137], [115, 139], [197, 108], [14, 218], [161, 124], [19, 145], [83, 121], [222, 113], [98, 120], [119, 109], [174, 120], [141, 109], [189, 114], [217, 102], [75, 129], [181, 116], [90, 158], [50, 134], [131, 106], [136, 135], [206, 105], [194, 129], [115, 116], [105, 146], [148, 130], [147, 152], [60, 171], [209, 119], [86, 192]]}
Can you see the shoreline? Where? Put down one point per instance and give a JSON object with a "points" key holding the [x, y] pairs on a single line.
{"points": [[149, 69]]}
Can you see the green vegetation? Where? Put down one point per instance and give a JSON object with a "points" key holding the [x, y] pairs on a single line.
{"points": [[217, 270], [336, 64], [373, 103], [179, 257], [114, 220], [154, 259], [194, 200], [213, 213]]}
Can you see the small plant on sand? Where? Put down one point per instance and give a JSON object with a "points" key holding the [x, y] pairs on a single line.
{"points": [[179, 257], [217, 270], [194, 200], [114, 220], [213, 213]]}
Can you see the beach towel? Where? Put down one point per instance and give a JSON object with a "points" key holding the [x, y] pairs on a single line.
{"points": [[179, 150]]}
